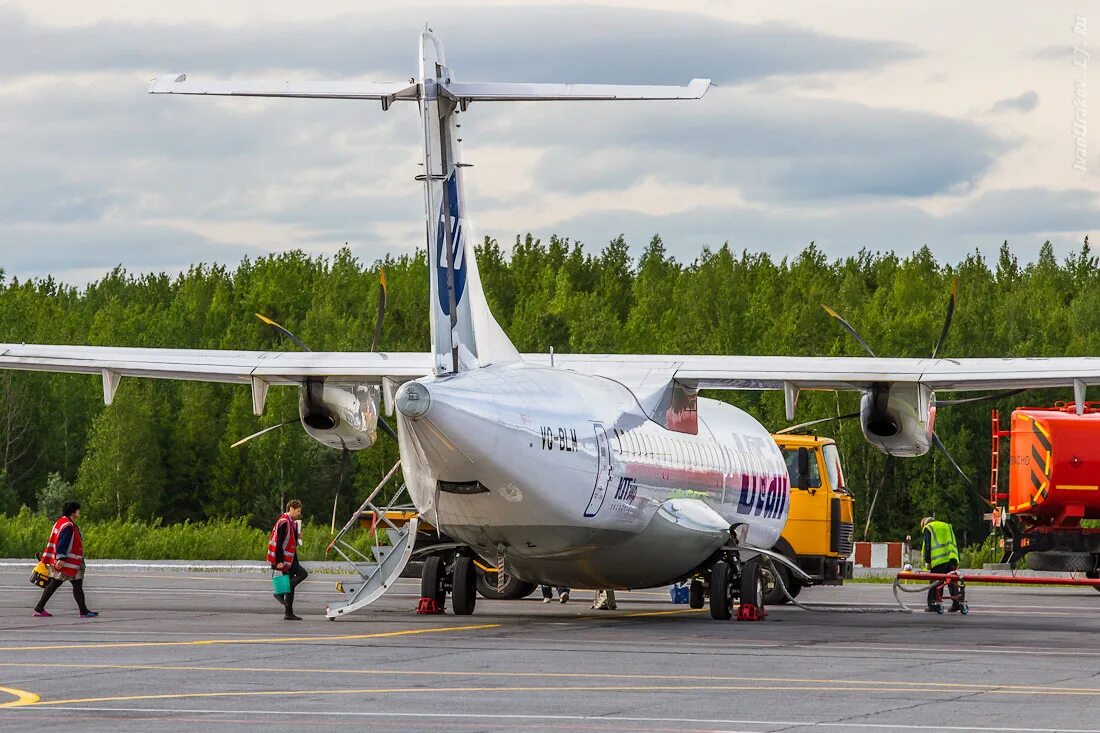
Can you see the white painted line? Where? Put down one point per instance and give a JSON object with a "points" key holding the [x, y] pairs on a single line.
{"points": [[815, 647], [577, 718]]}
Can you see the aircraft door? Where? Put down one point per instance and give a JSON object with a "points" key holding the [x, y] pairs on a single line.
{"points": [[603, 471]]}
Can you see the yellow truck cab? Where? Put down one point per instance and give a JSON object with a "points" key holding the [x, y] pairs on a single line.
{"points": [[818, 535]]}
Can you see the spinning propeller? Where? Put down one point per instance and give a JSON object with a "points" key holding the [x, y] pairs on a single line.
{"points": [[881, 395], [317, 416]]}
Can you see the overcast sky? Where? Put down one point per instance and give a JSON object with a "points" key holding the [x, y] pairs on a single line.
{"points": [[855, 124]]}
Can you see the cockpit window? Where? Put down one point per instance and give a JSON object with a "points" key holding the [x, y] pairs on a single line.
{"points": [[790, 455]]}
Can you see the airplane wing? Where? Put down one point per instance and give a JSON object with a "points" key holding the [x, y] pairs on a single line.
{"points": [[651, 376], [644, 373], [838, 373], [259, 369]]}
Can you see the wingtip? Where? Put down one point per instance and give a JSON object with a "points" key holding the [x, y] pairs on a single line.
{"points": [[159, 85], [700, 87], [832, 313]]}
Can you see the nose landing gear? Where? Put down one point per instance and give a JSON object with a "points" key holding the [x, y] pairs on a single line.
{"points": [[459, 577], [727, 585]]}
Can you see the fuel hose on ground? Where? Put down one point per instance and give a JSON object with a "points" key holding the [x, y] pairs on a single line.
{"points": [[778, 578]]}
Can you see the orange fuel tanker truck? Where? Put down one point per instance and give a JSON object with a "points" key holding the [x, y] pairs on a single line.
{"points": [[1053, 486]]}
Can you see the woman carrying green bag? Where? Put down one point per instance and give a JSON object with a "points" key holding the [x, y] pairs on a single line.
{"points": [[282, 556]]}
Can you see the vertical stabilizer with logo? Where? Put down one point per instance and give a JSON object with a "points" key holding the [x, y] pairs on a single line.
{"points": [[464, 333]]}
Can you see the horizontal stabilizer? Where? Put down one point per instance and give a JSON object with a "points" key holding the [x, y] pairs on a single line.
{"points": [[385, 91], [494, 92]]}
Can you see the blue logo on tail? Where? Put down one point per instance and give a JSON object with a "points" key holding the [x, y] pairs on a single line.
{"points": [[457, 244]]}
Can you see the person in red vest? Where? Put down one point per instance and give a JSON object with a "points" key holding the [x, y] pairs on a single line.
{"points": [[282, 554], [64, 557]]}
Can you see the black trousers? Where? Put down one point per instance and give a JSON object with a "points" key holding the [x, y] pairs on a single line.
{"points": [[297, 575], [946, 567], [51, 588]]}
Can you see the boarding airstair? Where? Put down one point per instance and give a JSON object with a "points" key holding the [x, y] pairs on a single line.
{"points": [[393, 526]]}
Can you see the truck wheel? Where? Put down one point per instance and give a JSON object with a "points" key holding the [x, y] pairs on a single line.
{"points": [[464, 587], [773, 594], [696, 596], [752, 583], [1094, 575], [513, 589], [1066, 562], [720, 595]]}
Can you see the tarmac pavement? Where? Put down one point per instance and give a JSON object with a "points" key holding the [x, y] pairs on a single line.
{"points": [[184, 650]]}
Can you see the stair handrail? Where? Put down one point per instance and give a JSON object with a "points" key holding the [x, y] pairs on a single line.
{"points": [[367, 503]]}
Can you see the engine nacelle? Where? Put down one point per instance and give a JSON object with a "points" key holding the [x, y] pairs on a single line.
{"points": [[898, 419], [340, 414]]}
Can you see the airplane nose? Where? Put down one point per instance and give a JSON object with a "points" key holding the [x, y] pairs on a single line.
{"points": [[413, 399]]}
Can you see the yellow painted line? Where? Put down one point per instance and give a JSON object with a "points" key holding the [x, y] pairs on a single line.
{"points": [[22, 697], [662, 613], [828, 687], [904, 684], [273, 640], [1077, 487]]}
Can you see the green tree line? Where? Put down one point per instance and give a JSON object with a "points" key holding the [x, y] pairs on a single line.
{"points": [[162, 450]]}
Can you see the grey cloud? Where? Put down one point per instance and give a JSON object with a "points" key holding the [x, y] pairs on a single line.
{"points": [[982, 225], [540, 43], [1031, 210], [1023, 103], [770, 146]]}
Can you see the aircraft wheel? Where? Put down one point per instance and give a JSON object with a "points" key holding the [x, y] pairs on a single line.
{"points": [[431, 581], [464, 587], [720, 595], [964, 609], [752, 583], [696, 597]]}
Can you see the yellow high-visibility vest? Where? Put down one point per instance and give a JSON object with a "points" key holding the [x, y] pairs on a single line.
{"points": [[944, 548]]}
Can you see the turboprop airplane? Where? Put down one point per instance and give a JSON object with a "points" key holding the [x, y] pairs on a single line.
{"points": [[588, 471]]}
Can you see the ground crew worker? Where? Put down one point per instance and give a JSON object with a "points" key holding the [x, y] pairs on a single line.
{"points": [[282, 554], [64, 559], [941, 555]]}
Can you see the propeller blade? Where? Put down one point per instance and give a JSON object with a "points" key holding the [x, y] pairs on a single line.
{"points": [[386, 428], [950, 314], [242, 441], [344, 454], [381, 310], [283, 331], [982, 398], [969, 484], [887, 464], [848, 327], [943, 449], [794, 428]]}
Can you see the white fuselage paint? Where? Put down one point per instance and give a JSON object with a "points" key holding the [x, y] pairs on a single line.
{"points": [[578, 486]]}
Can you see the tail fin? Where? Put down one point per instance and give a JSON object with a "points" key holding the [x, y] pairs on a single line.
{"points": [[464, 333]]}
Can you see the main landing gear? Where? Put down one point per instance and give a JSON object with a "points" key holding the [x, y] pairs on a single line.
{"points": [[440, 577], [730, 580]]}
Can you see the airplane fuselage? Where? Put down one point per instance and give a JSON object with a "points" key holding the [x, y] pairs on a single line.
{"points": [[566, 478]]}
